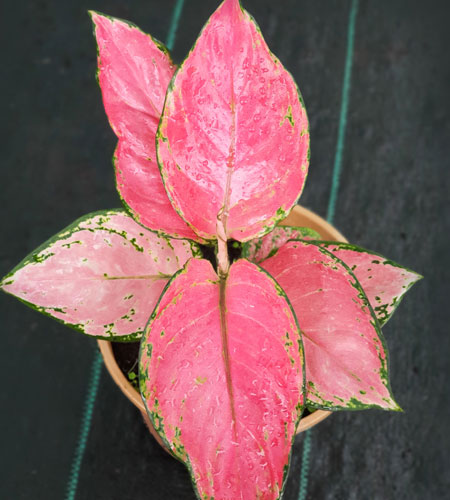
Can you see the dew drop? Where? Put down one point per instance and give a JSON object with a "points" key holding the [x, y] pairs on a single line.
{"points": [[185, 364]]}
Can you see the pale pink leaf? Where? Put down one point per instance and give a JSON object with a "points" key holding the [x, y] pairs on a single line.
{"points": [[383, 281], [345, 356], [134, 71], [101, 275], [221, 375], [233, 141], [259, 249]]}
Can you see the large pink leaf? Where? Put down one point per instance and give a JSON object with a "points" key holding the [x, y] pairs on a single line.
{"points": [[259, 249], [222, 378], [346, 361], [100, 275], [134, 71], [233, 141], [383, 281]]}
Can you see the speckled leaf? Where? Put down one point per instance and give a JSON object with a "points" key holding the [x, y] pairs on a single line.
{"points": [[383, 281], [101, 275], [134, 71], [259, 249], [346, 360], [222, 378], [233, 141]]}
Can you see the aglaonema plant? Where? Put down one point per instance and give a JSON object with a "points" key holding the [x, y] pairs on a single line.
{"points": [[232, 351]]}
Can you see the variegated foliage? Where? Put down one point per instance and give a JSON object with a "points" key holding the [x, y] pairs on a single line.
{"points": [[218, 150]]}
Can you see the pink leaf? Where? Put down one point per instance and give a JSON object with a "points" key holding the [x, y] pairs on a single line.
{"points": [[346, 361], [259, 249], [383, 281], [222, 378], [134, 71], [233, 140], [100, 275]]}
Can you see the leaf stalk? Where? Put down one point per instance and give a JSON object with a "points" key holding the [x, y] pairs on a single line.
{"points": [[223, 260]]}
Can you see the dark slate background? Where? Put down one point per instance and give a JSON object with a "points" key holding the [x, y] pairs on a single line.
{"points": [[56, 149]]}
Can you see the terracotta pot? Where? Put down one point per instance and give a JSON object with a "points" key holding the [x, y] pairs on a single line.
{"points": [[298, 217]]}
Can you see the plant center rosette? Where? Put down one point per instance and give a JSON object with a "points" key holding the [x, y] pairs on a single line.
{"points": [[213, 155]]}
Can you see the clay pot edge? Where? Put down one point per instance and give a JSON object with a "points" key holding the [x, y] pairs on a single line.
{"points": [[299, 216]]}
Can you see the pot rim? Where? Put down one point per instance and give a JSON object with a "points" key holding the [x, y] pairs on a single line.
{"points": [[299, 216]]}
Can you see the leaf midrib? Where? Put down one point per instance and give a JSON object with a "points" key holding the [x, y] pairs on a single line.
{"points": [[225, 346], [153, 277], [231, 153]]}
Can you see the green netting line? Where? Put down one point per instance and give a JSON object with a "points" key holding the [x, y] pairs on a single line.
{"points": [[89, 403], [305, 466], [344, 111], [174, 24], [96, 368]]}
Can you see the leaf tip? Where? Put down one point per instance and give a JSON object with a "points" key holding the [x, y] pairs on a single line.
{"points": [[95, 16], [391, 404], [6, 281], [416, 277]]}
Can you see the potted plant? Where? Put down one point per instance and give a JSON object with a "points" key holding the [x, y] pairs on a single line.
{"points": [[243, 322]]}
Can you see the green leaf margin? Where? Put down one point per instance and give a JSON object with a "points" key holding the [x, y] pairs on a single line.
{"points": [[166, 51], [306, 232], [158, 421], [354, 403], [385, 261], [281, 213], [67, 232]]}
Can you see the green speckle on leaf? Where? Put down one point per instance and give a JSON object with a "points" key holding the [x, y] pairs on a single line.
{"points": [[39, 258], [68, 245], [288, 116], [281, 213]]}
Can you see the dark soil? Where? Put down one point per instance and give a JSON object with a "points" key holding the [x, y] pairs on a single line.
{"points": [[127, 357]]}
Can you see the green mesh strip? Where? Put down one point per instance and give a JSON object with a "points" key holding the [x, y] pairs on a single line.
{"points": [[174, 24], [89, 403], [344, 110], [305, 466], [96, 369]]}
